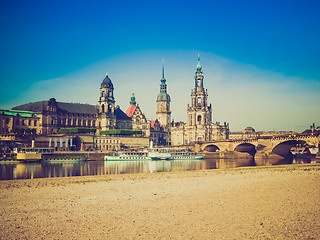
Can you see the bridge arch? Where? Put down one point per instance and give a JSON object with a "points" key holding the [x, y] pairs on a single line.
{"points": [[283, 148], [246, 147], [211, 148]]}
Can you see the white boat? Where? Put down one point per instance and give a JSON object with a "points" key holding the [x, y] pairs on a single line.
{"points": [[159, 155], [127, 156], [186, 155]]}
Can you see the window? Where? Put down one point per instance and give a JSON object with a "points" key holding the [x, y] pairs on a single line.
{"points": [[103, 94], [102, 108], [35, 123], [199, 118], [199, 102], [29, 123]]}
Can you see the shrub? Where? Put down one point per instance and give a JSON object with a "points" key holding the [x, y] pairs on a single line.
{"points": [[77, 130], [121, 132]]}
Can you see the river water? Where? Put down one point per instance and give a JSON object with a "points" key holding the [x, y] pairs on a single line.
{"points": [[48, 170], [11, 171]]}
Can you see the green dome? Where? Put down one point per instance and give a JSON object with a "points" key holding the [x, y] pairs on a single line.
{"points": [[199, 67], [162, 96]]}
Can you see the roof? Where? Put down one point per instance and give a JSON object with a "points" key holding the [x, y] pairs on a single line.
{"points": [[120, 114], [34, 107], [77, 108], [153, 122], [131, 110], [41, 106], [162, 96], [16, 113], [107, 82]]}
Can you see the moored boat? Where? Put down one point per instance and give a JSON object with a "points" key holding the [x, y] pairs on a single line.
{"points": [[127, 156], [156, 155], [65, 159], [186, 155]]}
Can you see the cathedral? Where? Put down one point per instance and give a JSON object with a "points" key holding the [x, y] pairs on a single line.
{"points": [[199, 126], [51, 116]]}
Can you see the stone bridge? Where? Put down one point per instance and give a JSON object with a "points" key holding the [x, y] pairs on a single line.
{"points": [[266, 150]]}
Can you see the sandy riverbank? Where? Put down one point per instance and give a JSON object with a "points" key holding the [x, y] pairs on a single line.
{"points": [[243, 203]]}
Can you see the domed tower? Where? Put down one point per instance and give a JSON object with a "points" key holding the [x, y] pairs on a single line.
{"points": [[106, 105], [199, 113], [163, 103]]}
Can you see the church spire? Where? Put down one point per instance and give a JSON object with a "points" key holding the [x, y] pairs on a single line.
{"points": [[199, 67], [133, 99], [163, 80], [198, 76]]}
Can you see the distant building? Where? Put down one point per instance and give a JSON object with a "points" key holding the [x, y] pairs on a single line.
{"points": [[109, 116], [49, 117], [139, 121], [55, 115], [163, 104], [199, 126], [151, 129], [17, 121]]}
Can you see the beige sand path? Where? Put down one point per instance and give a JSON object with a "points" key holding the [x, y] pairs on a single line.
{"points": [[244, 203]]}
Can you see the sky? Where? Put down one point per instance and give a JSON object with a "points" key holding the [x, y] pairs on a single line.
{"points": [[260, 59]]}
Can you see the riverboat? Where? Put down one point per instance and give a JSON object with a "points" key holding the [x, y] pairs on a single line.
{"points": [[65, 159], [157, 155], [28, 155], [154, 155], [127, 156], [304, 154], [181, 155]]}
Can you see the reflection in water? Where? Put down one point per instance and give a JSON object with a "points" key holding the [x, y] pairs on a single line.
{"points": [[48, 170]]}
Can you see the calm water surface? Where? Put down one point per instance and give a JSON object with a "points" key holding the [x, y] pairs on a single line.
{"points": [[48, 170]]}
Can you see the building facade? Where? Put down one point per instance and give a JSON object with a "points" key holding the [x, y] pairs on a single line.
{"points": [[15, 121], [199, 126], [55, 115], [139, 121], [48, 117], [109, 115], [163, 104]]}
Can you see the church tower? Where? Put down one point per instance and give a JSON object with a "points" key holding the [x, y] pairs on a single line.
{"points": [[106, 111], [199, 113], [163, 103]]}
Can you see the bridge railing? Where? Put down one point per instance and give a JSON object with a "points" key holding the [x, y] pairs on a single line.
{"points": [[293, 136]]}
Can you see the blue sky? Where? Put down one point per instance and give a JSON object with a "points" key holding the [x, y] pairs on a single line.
{"points": [[260, 58]]}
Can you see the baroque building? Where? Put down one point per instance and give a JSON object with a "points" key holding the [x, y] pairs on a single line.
{"points": [[163, 104], [139, 121], [18, 122], [199, 126], [151, 129], [48, 117], [109, 116], [55, 115]]}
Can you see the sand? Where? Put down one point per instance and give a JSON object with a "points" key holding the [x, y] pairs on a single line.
{"points": [[245, 203]]}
